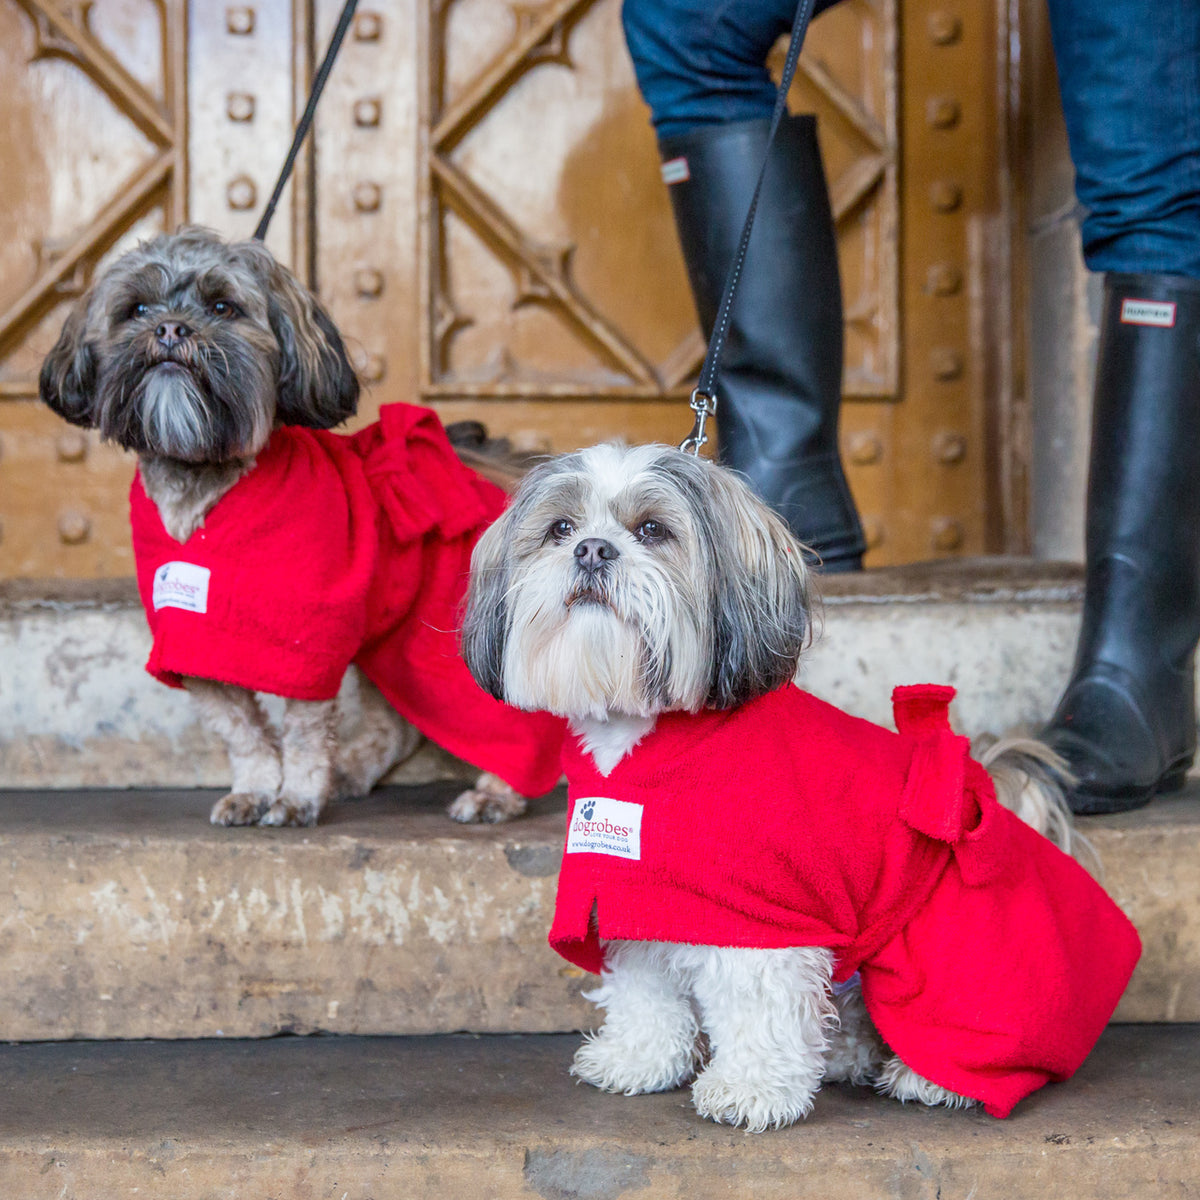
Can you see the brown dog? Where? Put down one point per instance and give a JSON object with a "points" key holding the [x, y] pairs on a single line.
{"points": [[193, 352]]}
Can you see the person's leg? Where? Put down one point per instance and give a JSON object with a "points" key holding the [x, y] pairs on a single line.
{"points": [[704, 62], [702, 70], [1129, 74], [1130, 80]]}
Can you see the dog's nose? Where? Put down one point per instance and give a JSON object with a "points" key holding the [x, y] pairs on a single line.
{"points": [[171, 333], [593, 553]]}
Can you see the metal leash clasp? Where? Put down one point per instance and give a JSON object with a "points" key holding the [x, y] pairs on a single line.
{"points": [[704, 406]]}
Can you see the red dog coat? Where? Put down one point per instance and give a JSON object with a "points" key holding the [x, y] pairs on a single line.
{"points": [[990, 960], [336, 549]]}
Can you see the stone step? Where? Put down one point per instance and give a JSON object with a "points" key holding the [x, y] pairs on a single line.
{"points": [[445, 1118], [124, 914], [77, 709]]}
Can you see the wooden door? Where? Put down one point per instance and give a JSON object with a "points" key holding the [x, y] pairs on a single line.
{"points": [[481, 209]]}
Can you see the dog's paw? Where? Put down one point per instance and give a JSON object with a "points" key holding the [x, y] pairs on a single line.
{"points": [[240, 808], [286, 811], [898, 1080], [491, 801], [631, 1070], [755, 1104]]}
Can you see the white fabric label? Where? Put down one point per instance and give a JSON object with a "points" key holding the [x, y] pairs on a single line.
{"points": [[601, 825], [181, 585], [675, 170], [1148, 312]]}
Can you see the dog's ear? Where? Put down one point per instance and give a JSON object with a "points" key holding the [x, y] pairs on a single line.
{"points": [[67, 382], [317, 386], [762, 613], [485, 625]]}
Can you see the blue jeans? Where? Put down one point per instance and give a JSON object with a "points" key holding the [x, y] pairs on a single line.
{"points": [[1129, 72]]}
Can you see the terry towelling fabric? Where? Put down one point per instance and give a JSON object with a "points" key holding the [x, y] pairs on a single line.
{"points": [[336, 549], [990, 960]]}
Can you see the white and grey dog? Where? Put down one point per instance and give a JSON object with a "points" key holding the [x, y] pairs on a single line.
{"points": [[625, 583], [190, 351]]}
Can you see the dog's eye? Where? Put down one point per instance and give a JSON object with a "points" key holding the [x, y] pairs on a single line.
{"points": [[140, 310], [651, 531], [561, 530], [223, 308]]}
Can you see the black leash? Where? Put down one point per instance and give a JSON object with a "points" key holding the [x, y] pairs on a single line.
{"points": [[704, 398], [318, 85]]}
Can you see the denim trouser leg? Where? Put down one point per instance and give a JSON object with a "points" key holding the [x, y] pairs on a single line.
{"points": [[1129, 72], [703, 62]]}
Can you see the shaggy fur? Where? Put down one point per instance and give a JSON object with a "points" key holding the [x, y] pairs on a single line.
{"points": [[190, 351], [627, 582]]}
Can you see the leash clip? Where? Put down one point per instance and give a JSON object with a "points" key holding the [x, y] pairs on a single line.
{"points": [[704, 406]]}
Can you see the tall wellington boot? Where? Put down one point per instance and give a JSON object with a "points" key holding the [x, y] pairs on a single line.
{"points": [[1126, 723], [779, 382]]}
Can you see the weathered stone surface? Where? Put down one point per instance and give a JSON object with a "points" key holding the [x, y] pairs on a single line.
{"points": [[78, 710], [499, 1117], [126, 915], [1150, 864]]}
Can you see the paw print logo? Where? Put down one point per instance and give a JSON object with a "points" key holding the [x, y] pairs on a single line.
{"points": [[588, 809]]}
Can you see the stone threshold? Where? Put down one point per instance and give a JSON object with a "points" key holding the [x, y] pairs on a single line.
{"points": [[77, 709], [499, 1117], [127, 915]]}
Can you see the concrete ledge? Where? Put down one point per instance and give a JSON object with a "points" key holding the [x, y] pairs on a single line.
{"points": [[1150, 864], [78, 710], [126, 915], [431, 1118]]}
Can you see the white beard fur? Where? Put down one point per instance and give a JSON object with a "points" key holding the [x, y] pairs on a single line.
{"points": [[609, 739]]}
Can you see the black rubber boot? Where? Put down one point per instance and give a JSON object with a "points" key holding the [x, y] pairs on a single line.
{"points": [[779, 383], [1126, 723]]}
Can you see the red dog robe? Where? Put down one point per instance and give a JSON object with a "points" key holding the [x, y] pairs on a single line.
{"points": [[336, 549], [990, 961]]}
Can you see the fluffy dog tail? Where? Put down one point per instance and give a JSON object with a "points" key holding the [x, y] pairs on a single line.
{"points": [[492, 457], [1030, 781]]}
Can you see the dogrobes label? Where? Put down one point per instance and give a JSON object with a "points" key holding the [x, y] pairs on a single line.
{"points": [[181, 585], [602, 825]]}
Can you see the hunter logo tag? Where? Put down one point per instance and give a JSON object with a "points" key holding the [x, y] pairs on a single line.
{"points": [[1148, 312]]}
